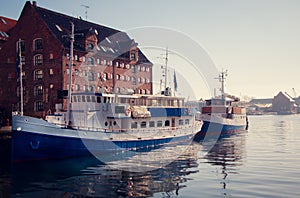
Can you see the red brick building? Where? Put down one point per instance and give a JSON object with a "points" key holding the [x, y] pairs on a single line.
{"points": [[104, 59]]}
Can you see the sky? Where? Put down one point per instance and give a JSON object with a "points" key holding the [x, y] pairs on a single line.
{"points": [[257, 41]]}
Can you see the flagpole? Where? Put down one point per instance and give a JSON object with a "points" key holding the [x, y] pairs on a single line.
{"points": [[21, 77], [70, 76]]}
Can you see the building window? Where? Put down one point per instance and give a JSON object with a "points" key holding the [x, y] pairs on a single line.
{"points": [[51, 72], [76, 57], [133, 80], [133, 68], [128, 78], [90, 61], [98, 61], [77, 87], [104, 62], [38, 106], [132, 56], [118, 76], [38, 90], [38, 74], [117, 64], [118, 90], [91, 76], [37, 44], [90, 46], [38, 59]]}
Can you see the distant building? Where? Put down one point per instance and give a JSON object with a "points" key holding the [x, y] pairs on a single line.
{"points": [[260, 106], [121, 66], [284, 104], [6, 24]]}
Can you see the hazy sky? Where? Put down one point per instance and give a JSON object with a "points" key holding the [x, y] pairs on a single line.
{"points": [[257, 41]]}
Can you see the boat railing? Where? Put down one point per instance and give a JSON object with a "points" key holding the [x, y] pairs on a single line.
{"points": [[127, 130]]}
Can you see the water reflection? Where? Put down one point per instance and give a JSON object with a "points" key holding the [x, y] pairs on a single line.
{"points": [[227, 155], [89, 177]]}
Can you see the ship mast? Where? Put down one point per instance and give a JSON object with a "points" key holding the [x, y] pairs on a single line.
{"points": [[166, 70], [21, 78], [70, 76], [222, 77]]}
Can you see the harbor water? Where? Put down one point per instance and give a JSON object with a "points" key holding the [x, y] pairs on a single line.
{"points": [[262, 162]]}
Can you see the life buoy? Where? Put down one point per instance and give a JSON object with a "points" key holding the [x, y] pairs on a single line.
{"points": [[36, 146], [127, 112]]}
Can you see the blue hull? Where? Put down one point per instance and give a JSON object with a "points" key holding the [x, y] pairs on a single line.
{"points": [[27, 146], [213, 129]]}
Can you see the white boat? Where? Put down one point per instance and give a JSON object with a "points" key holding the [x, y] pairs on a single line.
{"points": [[100, 123], [222, 115]]}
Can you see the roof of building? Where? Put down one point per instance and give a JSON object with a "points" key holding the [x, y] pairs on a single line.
{"points": [[286, 95], [112, 42], [6, 24], [262, 101]]}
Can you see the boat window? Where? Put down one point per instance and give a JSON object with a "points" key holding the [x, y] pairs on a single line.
{"points": [[93, 98], [151, 124], [159, 123], [119, 109], [83, 98], [180, 122], [98, 99], [187, 121], [88, 98], [167, 123], [74, 99], [79, 98], [143, 124], [134, 125], [104, 99]]}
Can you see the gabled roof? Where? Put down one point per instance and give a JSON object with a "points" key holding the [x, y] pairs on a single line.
{"points": [[286, 95], [116, 42], [6, 24], [262, 101]]}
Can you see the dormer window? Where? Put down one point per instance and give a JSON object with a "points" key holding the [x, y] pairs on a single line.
{"points": [[132, 56], [37, 44], [90, 46]]}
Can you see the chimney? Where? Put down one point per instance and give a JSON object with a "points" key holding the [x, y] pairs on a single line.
{"points": [[34, 3]]}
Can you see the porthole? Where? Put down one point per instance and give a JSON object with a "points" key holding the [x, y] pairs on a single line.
{"points": [[106, 123]]}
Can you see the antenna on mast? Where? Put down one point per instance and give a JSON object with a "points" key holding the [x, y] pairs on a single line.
{"points": [[86, 8]]}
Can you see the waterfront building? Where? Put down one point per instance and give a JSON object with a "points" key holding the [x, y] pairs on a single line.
{"points": [[43, 37], [284, 104]]}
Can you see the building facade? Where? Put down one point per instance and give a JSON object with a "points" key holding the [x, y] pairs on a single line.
{"points": [[104, 60], [284, 104]]}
